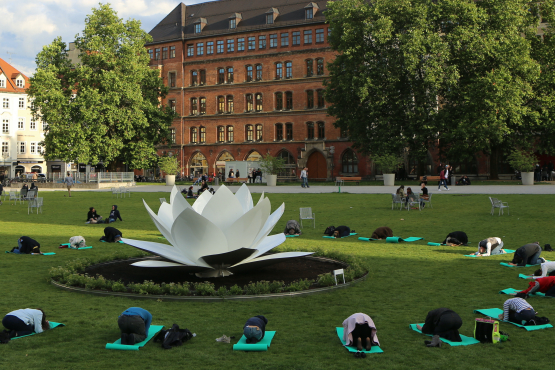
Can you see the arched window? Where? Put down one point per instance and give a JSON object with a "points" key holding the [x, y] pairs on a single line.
{"points": [[230, 137], [194, 106], [289, 131], [37, 169], [221, 104], [310, 99], [309, 67], [221, 75], [259, 72], [198, 164], [229, 102], [289, 165], [288, 100], [288, 69], [310, 130], [319, 67], [249, 133], [221, 134], [194, 135], [225, 156], [203, 135], [254, 156], [349, 162], [194, 78], [202, 105], [259, 132], [320, 99], [258, 102], [229, 75], [279, 70], [249, 73], [249, 103], [202, 75], [279, 132], [279, 101], [321, 130]]}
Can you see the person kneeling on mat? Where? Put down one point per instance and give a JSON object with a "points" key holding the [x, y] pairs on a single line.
{"points": [[517, 310], [341, 231], [444, 323], [111, 235], [547, 269], [134, 324], [255, 328], [383, 232], [359, 331], [26, 245], [544, 285], [25, 321], [490, 247], [528, 254], [292, 228], [456, 238]]}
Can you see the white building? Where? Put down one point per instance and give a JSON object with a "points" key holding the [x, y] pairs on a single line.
{"points": [[20, 134]]}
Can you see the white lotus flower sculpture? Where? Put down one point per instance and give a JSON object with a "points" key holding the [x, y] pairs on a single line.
{"points": [[218, 235]]}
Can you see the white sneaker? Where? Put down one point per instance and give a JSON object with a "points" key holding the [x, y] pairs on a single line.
{"points": [[438, 189], [447, 189]]}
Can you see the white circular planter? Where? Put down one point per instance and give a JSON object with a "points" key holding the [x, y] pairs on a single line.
{"points": [[527, 178], [389, 179], [271, 180], [170, 180]]}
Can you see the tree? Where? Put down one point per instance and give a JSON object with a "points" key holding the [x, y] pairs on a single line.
{"points": [[108, 107], [390, 67]]}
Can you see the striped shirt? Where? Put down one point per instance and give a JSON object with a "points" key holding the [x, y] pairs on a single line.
{"points": [[514, 304]]}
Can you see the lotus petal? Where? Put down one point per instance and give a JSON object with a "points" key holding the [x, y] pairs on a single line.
{"points": [[227, 259], [202, 201], [163, 250], [242, 233], [261, 197], [157, 264], [267, 244], [223, 209], [245, 198], [159, 225], [266, 261], [165, 215], [269, 225], [178, 202]]}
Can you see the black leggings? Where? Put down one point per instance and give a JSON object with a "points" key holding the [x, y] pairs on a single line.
{"points": [[362, 331], [11, 322]]}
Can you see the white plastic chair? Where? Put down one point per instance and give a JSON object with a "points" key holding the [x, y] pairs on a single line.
{"points": [[31, 194], [123, 190], [35, 203], [496, 203], [116, 191], [338, 272], [306, 214], [429, 200], [414, 201], [396, 199], [14, 196]]}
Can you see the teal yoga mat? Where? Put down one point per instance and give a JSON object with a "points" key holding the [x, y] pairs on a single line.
{"points": [[522, 276], [152, 331], [507, 265], [465, 340], [104, 241], [495, 312], [435, 244], [396, 239], [512, 291], [507, 251], [44, 254], [367, 239], [263, 345], [53, 325], [70, 247], [374, 349], [331, 237], [291, 236]]}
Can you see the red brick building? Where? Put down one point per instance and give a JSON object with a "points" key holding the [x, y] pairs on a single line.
{"points": [[246, 79]]}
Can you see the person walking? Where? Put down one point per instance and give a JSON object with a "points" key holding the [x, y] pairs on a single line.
{"points": [[443, 178], [304, 177], [69, 183]]}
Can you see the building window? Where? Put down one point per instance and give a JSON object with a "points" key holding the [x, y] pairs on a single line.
{"points": [[172, 52], [321, 102], [33, 147], [194, 106], [258, 102], [230, 46], [273, 40], [229, 134], [21, 123], [33, 124], [210, 48], [221, 134], [252, 43], [5, 147], [310, 99], [19, 83], [172, 133], [221, 104], [21, 103], [233, 23], [200, 48], [172, 78], [288, 131], [284, 39], [319, 67], [202, 77], [308, 37], [321, 130], [288, 100], [165, 52], [44, 126], [279, 70], [249, 73], [249, 133], [309, 68], [279, 101], [259, 72], [349, 162], [319, 35], [309, 13], [157, 54], [259, 132], [229, 102], [150, 54], [262, 42], [21, 147], [198, 28], [221, 75], [296, 38], [310, 130], [220, 46], [288, 69], [270, 18], [249, 101], [202, 108], [190, 50], [171, 104], [229, 75], [193, 135], [5, 103], [194, 78], [203, 135], [279, 132], [241, 44]]}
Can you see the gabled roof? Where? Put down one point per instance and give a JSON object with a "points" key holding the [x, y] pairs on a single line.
{"points": [[171, 27], [11, 75]]}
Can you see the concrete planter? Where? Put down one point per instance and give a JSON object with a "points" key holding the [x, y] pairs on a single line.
{"points": [[170, 180], [389, 179], [271, 180], [527, 178]]}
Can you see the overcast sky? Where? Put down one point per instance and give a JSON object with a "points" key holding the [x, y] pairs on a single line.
{"points": [[27, 25]]}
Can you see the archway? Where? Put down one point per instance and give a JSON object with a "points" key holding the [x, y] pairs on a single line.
{"points": [[225, 156], [37, 169], [19, 170], [198, 164], [317, 166], [254, 156]]}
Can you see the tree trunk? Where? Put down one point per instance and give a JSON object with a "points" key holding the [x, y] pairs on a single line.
{"points": [[493, 160]]}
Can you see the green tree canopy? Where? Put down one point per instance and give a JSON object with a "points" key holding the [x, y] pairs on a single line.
{"points": [[108, 107]]}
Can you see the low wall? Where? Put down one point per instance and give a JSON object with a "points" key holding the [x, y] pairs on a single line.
{"points": [[90, 185]]}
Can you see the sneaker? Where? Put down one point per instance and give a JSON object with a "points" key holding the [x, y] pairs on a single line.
{"points": [[362, 355], [438, 189], [542, 260], [447, 189]]}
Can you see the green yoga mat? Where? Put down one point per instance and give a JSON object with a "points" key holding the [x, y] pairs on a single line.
{"points": [[522, 276], [495, 312], [374, 349], [366, 239], [465, 340], [507, 251], [263, 345], [435, 244], [507, 265], [332, 237], [104, 241], [44, 254], [291, 236], [152, 331], [512, 291], [70, 247], [53, 325], [396, 239]]}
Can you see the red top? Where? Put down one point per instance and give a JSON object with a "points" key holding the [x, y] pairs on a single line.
{"points": [[545, 284], [442, 175]]}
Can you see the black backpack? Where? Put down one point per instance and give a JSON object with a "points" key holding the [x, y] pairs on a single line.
{"points": [[173, 337], [537, 320], [329, 230]]}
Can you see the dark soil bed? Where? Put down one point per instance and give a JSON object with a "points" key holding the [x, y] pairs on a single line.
{"points": [[287, 271]]}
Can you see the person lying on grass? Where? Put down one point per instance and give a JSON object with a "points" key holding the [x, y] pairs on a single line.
{"points": [[528, 254], [517, 310], [134, 324], [547, 269], [255, 329], [359, 331], [341, 231], [25, 321], [382, 233], [444, 323], [292, 228], [490, 247], [456, 238], [26, 245], [544, 285]]}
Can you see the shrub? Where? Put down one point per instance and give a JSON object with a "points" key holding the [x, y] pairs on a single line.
{"points": [[205, 288], [179, 289], [236, 290], [297, 286], [326, 279], [118, 286], [222, 291], [260, 287], [276, 286]]}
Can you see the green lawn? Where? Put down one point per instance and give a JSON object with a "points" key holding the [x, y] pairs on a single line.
{"points": [[405, 282]]}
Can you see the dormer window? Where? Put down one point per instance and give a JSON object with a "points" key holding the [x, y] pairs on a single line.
{"points": [[310, 10], [19, 83], [232, 23], [198, 28], [271, 15], [309, 14], [2, 83], [269, 18], [234, 20], [200, 24]]}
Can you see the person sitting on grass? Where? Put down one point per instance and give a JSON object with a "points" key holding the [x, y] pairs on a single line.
{"points": [[111, 235], [490, 247], [134, 324], [26, 245], [544, 285], [189, 192], [547, 269], [25, 321], [517, 310], [92, 216], [444, 323], [456, 238], [382, 233], [359, 331], [114, 214], [203, 187], [341, 231], [528, 254], [292, 228], [255, 328]]}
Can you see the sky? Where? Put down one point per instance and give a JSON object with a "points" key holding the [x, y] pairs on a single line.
{"points": [[28, 25]]}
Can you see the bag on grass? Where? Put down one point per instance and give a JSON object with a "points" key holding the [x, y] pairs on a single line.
{"points": [[537, 320], [173, 337], [487, 330]]}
